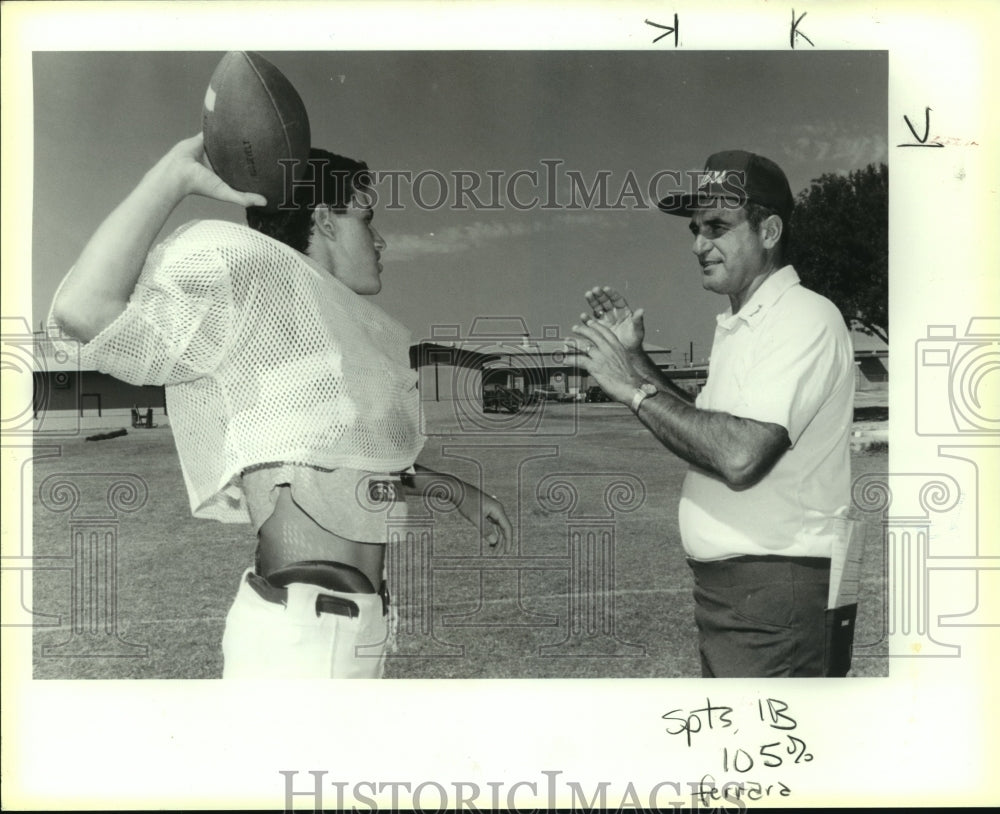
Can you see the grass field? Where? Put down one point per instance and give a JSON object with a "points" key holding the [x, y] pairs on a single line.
{"points": [[531, 611]]}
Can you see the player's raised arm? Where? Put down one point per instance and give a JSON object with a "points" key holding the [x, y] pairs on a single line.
{"points": [[99, 286]]}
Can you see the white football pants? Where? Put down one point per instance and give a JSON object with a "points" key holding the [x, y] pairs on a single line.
{"points": [[265, 639]]}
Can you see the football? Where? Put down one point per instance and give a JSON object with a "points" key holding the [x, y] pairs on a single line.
{"points": [[252, 120]]}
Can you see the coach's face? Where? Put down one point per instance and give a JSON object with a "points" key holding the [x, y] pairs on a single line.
{"points": [[731, 254]]}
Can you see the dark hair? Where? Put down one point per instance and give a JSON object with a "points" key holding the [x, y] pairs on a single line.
{"points": [[757, 214], [333, 180]]}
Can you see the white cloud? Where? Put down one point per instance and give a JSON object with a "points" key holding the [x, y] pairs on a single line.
{"points": [[835, 144], [455, 239]]}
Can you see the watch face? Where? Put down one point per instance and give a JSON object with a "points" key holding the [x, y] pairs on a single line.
{"points": [[648, 388]]}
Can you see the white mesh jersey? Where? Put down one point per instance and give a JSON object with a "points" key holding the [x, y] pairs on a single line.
{"points": [[265, 357]]}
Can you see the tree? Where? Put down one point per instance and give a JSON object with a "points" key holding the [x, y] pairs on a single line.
{"points": [[839, 244]]}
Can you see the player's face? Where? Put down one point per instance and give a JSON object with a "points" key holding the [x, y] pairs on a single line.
{"points": [[357, 250], [731, 254]]}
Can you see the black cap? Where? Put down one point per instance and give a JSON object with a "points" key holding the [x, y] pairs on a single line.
{"points": [[734, 178]]}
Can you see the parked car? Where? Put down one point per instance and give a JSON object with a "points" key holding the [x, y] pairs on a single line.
{"points": [[547, 392], [496, 397], [595, 393]]}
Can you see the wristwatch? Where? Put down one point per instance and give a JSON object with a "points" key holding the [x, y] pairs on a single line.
{"points": [[641, 394]]}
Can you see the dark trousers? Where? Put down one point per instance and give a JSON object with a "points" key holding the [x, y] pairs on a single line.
{"points": [[761, 616]]}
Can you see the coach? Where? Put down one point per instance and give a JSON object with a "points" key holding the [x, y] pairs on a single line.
{"points": [[767, 493]]}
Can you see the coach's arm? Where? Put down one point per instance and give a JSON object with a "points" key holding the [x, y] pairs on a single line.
{"points": [[741, 451], [98, 287]]}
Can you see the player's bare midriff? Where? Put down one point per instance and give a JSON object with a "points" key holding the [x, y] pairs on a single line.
{"points": [[290, 535]]}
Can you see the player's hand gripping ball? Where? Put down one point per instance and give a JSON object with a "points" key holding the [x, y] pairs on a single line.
{"points": [[253, 119]]}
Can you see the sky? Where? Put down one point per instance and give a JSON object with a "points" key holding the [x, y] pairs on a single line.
{"points": [[103, 118]]}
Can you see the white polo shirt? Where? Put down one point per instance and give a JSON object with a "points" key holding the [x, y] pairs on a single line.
{"points": [[785, 358]]}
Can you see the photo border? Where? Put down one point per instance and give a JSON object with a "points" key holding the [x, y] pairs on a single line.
{"points": [[922, 736]]}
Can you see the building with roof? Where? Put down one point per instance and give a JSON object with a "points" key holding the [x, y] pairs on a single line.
{"points": [[453, 367], [61, 384], [871, 362]]}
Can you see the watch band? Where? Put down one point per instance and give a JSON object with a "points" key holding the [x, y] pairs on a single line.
{"points": [[638, 397]]}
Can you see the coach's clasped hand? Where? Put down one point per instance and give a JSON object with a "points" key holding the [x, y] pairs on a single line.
{"points": [[610, 307], [607, 360]]}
